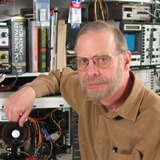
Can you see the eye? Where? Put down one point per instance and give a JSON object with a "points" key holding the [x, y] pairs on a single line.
{"points": [[83, 60], [103, 59]]}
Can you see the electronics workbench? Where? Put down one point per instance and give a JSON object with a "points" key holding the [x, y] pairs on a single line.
{"points": [[46, 133]]}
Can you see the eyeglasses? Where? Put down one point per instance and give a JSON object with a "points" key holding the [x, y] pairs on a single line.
{"points": [[101, 61]]}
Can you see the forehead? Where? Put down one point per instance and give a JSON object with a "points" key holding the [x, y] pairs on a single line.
{"points": [[94, 43]]}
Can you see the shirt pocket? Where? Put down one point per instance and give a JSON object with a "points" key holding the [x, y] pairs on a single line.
{"points": [[133, 156]]}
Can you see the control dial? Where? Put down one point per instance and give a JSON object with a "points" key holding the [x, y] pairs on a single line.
{"points": [[4, 34]]}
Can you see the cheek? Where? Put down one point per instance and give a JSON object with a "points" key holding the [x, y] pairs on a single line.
{"points": [[81, 75], [109, 72]]}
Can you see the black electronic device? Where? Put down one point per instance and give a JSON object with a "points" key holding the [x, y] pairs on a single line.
{"points": [[143, 42], [45, 134], [5, 47], [129, 12]]}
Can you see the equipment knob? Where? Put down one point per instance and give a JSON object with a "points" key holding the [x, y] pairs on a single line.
{"points": [[128, 15], [4, 56], [4, 34]]}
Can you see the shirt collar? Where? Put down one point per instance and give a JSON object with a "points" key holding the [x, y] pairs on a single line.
{"points": [[130, 108]]}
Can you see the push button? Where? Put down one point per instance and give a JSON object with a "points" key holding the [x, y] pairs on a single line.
{"points": [[98, 142]]}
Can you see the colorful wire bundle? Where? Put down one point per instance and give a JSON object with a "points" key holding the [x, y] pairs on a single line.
{"points": [[100, 10]]}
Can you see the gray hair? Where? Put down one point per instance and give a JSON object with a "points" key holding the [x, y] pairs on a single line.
{"points": [[102, 26]]}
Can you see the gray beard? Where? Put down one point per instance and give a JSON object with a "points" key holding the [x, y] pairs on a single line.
{"points": [[111, 85]]}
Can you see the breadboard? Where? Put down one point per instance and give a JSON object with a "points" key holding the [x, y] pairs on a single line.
{"points": [[61, 45]]}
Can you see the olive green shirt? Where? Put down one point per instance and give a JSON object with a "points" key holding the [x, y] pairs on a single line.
{"points": [[131, 134]]}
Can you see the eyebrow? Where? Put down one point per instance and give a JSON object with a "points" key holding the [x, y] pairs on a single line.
{"points": [[97, 55]]}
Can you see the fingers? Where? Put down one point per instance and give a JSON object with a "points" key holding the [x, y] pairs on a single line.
{"points": [[18, 105], [12, 110], [23, 118], [16, 116], [11, 113]]}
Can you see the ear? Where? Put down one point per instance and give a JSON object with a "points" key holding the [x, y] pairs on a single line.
{"points": [[127, 60]]}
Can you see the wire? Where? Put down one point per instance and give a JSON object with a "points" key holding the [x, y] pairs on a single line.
{"points": [[156, 13], [10, 86], [43, 144], [99, 9], [54, 120], [95, 10], [102, 9], [43, 136], [24, 153]]}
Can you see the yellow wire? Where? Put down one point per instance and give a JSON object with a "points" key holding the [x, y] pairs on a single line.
{"points": [[102, 12], [25, 153], [101, 8], [55, 121], [37, 128], [51, 150], [95, 9]]}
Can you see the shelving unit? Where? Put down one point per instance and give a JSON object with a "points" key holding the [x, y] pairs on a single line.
{"points": [[44, 102], [57, 101]]}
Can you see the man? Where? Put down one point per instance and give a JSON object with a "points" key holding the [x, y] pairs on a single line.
{"points": [[118, 116]]}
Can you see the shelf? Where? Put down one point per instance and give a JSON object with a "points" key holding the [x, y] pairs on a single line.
{"points": [[25, 74], [139, 1], [43, 102]]}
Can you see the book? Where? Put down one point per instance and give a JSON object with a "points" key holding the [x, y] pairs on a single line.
{"points": [[48, 49], [42, 33], [54, 26], [18, 45], [32, 46]]}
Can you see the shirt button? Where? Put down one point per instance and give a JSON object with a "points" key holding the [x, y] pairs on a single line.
{"points": [[98, 142]]}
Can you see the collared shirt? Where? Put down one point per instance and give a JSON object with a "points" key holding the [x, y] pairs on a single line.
{"points": [[132, 133]]}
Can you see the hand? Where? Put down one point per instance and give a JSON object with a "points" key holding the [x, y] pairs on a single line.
{"points": [[18, 105]]}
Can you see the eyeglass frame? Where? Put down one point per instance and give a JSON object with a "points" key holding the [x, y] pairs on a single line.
{"points": [[74, 62]]}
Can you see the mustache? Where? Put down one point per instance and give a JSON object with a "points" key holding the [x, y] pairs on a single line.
{"points": [[95, 80]]}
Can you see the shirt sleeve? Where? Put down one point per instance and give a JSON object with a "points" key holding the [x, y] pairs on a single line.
{"points": [[46, 84], [65, 83]]}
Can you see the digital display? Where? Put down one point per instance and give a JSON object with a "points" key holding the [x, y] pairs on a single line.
{"points": [[127, 9], [130, 38]]}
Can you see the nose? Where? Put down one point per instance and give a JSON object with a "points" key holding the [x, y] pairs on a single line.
{"points": [[92, 69]]}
